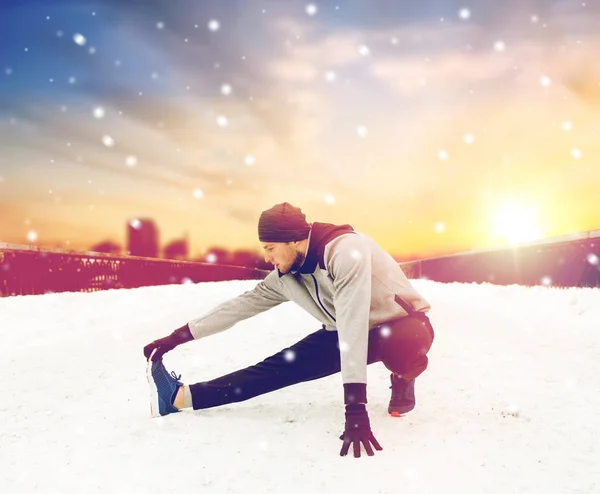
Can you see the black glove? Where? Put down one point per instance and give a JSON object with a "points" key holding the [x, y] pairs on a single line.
{"points": [[166, 344], [358, 430]]}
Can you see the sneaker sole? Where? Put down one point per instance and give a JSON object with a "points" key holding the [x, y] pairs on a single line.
{"points": [[154, 410]]}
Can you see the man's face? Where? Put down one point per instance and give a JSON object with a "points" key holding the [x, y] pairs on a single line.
{"points": [[284, 256]]}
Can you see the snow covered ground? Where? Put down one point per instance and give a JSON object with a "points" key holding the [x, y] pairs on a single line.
{"points": [[510, 402]]}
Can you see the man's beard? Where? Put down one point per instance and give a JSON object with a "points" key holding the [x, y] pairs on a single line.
{"points": [[298, 261]]}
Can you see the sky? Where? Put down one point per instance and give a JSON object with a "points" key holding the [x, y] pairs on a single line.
{"points": [[509, 402], [434, 126]]}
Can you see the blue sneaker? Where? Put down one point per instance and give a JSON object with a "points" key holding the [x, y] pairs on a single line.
{"points": [[163, 388]]}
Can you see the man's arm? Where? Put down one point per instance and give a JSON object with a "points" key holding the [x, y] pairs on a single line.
{"points": [[264, 296]]}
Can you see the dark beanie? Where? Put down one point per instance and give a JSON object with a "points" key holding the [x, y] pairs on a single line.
{"points": [[282, 223]]}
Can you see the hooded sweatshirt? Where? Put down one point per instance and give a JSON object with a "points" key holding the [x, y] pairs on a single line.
{"points": [[347, 282]]}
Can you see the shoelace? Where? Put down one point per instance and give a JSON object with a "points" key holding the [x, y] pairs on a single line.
{"points": [[174, 376]]}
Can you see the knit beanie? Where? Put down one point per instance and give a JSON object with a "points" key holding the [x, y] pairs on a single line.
{"points": [[282, 223]]}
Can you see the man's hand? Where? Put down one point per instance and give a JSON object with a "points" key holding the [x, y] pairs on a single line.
{"points": [[357, 431], [166, 344]]}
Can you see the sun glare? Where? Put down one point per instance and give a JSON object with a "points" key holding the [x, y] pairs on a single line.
{"points": [[516, 223]]}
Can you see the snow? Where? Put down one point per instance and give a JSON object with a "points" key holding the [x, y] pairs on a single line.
{"points": [[510, 402]]}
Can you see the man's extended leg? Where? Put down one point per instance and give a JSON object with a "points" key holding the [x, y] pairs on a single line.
{"points": [[313, 357]]}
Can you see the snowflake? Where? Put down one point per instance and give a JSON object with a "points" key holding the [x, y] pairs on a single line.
{"points": [[222, 121], [249, 160], [545, 81], [329, 199], [330, 76], [546, 280], [289, 355], [8, 70], [214, 25], [198, 194], [212, 258], [385, 331], [469, 138], [464, 13], [576, 153], [108, 141], [311, 9], [440, 227], [160, 25], [567, 126], [131, 161], [534, 19], [499, 46], [32, 236], [135, 224], [356, 254], [79, 39], [364, 50], [591, 258], [443, 155], [361, 130], [186, 281], [99, 112], [92, 50], [72, 80], [226, 89]]}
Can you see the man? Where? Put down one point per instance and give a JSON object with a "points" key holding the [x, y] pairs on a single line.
{"points": [[369, 310]]}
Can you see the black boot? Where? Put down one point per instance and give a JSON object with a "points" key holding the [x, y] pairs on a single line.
{"points": [[403, 396]]}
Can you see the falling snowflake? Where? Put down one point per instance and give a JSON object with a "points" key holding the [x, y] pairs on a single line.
{"points": [[214, 25], [545, 81], [99, 112], [576, 153], [591, 258], [440, 227], [364, 50], [385, 331], [222, 121], [356, 254], [499, 46], [534, 19], [135, 223], [198, 194], [249, 160], [92, 50], [212, 258], [329, 199], [344, 346], [32, 236], [546, 280], [79, 39], [311, 9], [567, 126], [186, 281], [469, 138], [226, 89], [394, 41], [59, 33], [72, 80], [131, 161], [361, 130], [464, 13], [330, 76], [108, 141], [8, 70], [443, 155], [289, 355], [160, 25]]}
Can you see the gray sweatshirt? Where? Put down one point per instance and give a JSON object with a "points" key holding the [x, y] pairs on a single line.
{"points": [[348, 282]]}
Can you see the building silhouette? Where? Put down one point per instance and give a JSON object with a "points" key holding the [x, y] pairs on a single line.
{"points": [[177, 249], [142, 238], [106, 247]]}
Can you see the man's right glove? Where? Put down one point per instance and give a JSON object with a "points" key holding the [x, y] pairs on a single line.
{"points": [[166, 344], [357, 431]]}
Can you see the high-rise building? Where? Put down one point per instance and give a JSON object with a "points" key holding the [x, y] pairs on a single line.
{"points": [[142, 238]]}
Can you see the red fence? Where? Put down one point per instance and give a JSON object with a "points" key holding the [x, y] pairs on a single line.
{"points": [[30, 271]]}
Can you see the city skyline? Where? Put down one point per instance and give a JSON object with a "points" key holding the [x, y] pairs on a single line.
{"points": [[435, 128]]}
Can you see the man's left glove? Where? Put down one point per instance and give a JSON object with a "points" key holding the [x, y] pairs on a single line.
{"points": [[357, 431], [166, 344]]}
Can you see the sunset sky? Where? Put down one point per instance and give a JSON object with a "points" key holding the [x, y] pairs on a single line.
{"points": [[433, 126]]}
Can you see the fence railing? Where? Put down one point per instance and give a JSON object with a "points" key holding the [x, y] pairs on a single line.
{"points": [[30, 271]]}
